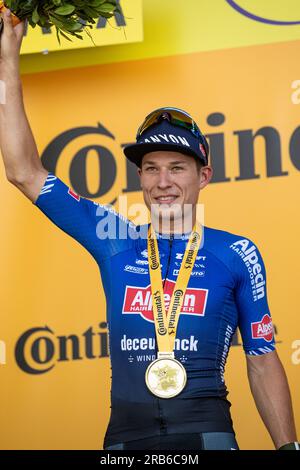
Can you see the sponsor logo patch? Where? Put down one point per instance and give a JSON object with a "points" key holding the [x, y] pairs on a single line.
{"points": [[249, 254], [74, 195], [202, 150], [193, 273], [180, 256], [263, 329], [138, 300], [134, 269]]}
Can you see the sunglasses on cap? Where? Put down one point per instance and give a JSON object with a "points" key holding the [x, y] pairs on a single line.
{"points": [[176, 116]]}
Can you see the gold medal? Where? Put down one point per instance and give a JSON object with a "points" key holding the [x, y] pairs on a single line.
{"points": [[166, 377]]}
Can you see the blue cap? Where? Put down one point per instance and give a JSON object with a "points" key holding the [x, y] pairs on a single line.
{"points": [[167, 136]]}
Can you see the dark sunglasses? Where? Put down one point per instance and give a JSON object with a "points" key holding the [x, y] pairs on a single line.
{"points": [[175, 116]]}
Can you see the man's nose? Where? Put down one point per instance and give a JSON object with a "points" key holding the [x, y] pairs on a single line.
{"points": [[164, 179]]}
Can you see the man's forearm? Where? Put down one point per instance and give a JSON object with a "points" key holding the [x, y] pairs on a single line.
{"points": [[272, 396], [18, 147]]}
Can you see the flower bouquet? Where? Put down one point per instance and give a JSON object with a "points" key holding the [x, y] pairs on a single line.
{"points": [[70, 18]]}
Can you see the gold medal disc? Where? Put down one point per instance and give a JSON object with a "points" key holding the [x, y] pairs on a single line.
{"points": [[165, 377]]}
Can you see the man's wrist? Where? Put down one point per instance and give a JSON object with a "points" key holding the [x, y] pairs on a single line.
{"points": [[290, 446]]}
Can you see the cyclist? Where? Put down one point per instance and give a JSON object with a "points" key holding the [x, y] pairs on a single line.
{"points": [[182, 288]]}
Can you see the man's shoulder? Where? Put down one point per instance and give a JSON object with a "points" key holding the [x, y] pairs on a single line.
{"points": [[229, 247], [223, 237]]}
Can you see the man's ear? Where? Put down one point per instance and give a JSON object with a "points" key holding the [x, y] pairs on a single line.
{"points": [[205, 176]]}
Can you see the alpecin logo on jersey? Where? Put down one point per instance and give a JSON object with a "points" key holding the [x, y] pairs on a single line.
{"points": [[250, 255], [74, 195], [138, 300], [263, 329]]}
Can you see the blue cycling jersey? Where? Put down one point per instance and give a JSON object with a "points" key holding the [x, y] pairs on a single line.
{"points": [[226, 290]]}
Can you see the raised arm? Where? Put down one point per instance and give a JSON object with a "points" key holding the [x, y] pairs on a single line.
{"points": [[22, 164], [77, 216]]}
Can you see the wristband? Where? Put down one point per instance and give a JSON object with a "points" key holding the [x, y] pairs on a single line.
{"points": [[290, 446]]}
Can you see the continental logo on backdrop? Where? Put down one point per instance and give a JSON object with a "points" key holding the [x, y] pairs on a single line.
{"points": [[126, 27], [39, 349], [105, 145]]}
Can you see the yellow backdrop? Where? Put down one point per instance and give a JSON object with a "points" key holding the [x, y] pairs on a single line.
{"points": [[50, 283]]}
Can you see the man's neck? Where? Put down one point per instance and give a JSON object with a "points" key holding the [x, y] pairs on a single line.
{"points": [[173, 227]]}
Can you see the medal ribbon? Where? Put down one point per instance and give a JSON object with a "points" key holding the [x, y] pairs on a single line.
{"points": [[166, 324]]}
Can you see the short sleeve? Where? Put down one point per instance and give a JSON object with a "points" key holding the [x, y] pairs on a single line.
{"points": [[254, 317], [72, 213], [96, 227]]}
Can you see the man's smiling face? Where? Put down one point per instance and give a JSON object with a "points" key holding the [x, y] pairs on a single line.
{"points": [[170, 180]]}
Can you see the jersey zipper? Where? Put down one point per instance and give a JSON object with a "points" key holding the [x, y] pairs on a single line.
{"points": [[169, 258]]}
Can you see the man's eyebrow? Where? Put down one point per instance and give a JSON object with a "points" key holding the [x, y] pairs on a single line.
{"points": [[181, 162], [176, 162]]}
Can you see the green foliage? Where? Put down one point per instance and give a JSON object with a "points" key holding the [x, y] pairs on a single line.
{"points": [[70, 18]]}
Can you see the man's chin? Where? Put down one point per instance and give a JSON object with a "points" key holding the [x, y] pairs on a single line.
{"points": [[171, 215], [166, 214]]}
